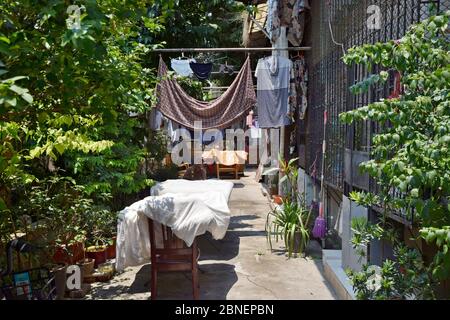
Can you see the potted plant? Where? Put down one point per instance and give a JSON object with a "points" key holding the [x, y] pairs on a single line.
{"points": [[101, 230], [277, 199], [70, 251], [86, 267], [111, 249], [109, 228], [291, 223], [97, 253], [57, 203]]}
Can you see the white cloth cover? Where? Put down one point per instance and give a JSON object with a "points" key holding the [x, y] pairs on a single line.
{"points": [[189, 187], [190, 208]]}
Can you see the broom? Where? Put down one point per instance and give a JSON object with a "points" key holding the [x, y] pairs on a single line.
{"points": [[320, 225]]}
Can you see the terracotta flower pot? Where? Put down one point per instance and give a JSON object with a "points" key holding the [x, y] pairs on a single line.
{"points": [[70, 254], [98, 253], [111, 250], [278, 199], [86, 267]]}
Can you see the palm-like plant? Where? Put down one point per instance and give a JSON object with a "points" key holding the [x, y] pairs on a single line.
{"points": [[291, 221]]}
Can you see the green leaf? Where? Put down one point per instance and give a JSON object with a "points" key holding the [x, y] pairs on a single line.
{"points": [[4, 48], [5, 39], [271, 171], [60, 148], [36, 152], [22, 92], [12, 102], [283, 179], [3, 205], [14, 79]]}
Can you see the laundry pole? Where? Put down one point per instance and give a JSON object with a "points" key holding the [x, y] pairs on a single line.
{"points": [[281, 42]]}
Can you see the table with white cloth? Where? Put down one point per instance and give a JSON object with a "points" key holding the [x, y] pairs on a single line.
{"points": [[189, 208], [226, 160]]}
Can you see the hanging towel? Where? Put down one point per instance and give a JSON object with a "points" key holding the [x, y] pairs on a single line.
{"points": [[182, 66], [220, 113], [274, 81], [201, 70]]}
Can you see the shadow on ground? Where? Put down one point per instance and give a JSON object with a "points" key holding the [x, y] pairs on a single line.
{"points": [[216, 280], [228, 248]]}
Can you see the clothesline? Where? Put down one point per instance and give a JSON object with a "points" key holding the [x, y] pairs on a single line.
{"points": [[178, 106], [230, 49], [220, 88]]}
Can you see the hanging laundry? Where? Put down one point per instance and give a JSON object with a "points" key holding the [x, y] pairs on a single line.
{"points": [[292, 96], [293, 142], [201, 70], [286, 11], [301, 81], [174, 131], [255, 130], [226, 68], [274, 86], [220, 113], [249, 120], [182, 66], [273, 23], [155, 119], [297, 22]]}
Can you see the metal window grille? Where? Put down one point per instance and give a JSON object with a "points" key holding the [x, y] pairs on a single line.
{"points": [[330, 78]]}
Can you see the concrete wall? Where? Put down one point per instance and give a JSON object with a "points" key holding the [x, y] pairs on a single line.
{"points": [[306, 186], [311, 190], [350, 259]]}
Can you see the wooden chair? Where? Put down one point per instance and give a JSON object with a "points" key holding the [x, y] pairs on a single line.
{"points": [[182, 170], [174, 255], [223, 168]]}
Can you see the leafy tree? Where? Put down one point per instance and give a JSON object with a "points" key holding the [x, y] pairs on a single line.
{"points": [[197, 23], [75, 91], [411, 154], [73, 99]]}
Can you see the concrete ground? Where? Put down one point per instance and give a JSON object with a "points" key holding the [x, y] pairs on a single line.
{"points": [[240, 266]]}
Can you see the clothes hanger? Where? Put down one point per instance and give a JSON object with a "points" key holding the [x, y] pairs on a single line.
{"points": [[183, 57], [298, 55]]}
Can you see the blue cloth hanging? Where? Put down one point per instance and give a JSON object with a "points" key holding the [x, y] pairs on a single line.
{"points": [[201, 70]]}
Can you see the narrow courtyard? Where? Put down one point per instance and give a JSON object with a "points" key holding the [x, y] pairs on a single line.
{"points": [[254, 150], [240, 266]]}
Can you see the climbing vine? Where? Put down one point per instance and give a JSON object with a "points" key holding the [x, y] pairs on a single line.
{"points": [[411, 155]]}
